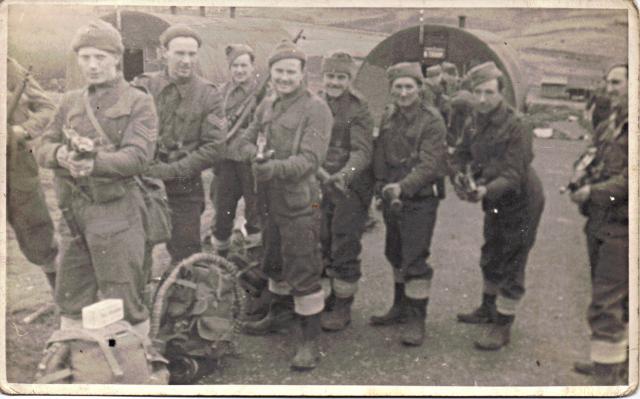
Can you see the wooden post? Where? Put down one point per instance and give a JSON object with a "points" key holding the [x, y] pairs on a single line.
{"points": [[174, 10], [203, 11], [232, 12]]}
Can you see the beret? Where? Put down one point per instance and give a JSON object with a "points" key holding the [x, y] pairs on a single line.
{"points": [[179, 30], [234, 51], [434, 70], [286, 49], [338, 62], [483, 73], [99, 34], [405, 70]]}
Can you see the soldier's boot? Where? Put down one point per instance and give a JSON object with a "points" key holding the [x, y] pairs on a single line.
{"points": [[585, 368], [279, 316], [497, 335], [398, 312], [413, 333], [307, 354], [256, 306], [609, 374], [486, 313], [339, 317]]}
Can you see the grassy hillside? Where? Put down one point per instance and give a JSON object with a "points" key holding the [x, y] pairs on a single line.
{"points": [[550, 41]]}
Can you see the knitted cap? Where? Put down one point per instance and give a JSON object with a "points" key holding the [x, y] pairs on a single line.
{"points": [[234, 51], [405, 69], [287, 49], [179, 30], [434, 70], [338, 62], [483, 73], [99, 34]]}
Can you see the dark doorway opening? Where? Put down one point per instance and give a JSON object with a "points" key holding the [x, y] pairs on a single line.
{"points": [[133, 63]]}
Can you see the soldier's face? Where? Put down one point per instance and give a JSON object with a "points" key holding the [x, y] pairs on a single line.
{"points": [[181, 55], [405, 91], [487, 96], [241, 68], [335, 83], [97, 66], [287, 75], [617, 85]]}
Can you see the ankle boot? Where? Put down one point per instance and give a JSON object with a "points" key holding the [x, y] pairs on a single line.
{"points": [[256, 307], [279, 316], [486, 313], [609, 374], [307, 353], [339, 317], [497, 335], [413, 333], [398, 312], [585, 368]]}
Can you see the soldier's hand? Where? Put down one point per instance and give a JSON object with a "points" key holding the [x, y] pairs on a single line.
{"points": [[391, 191], [79, 166], [581, 195], [160, 170], [337, 181], [263, 171], [478, 194], [18, 136]]}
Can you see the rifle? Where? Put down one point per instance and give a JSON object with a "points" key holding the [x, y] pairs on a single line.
{"points": [[585, 171], [249, 105]]}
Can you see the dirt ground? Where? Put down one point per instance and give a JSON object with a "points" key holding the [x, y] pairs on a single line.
{"points": [[549, 334]]}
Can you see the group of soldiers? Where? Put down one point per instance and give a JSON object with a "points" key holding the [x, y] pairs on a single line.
{"points": [[308, 167]]}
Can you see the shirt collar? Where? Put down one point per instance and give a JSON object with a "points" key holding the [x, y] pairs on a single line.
{"points": [[98, 89], [411, 111], [286, 100]]}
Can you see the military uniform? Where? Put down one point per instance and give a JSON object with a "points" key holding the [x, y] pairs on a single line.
{"points": [[499, 150], [104, 244], [607, 231], [234, 178], [27, 211], [191, 137], [410, 152], [344, 215]]}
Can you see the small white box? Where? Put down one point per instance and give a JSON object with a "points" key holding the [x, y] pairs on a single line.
{"points": [[102, 313]]}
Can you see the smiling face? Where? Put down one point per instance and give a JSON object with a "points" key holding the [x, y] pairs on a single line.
{"points": [[97, 66], [287, 75], [335, 83], [487, 96], [242, 69], [405, 91], [181, 55], [617, 85]]}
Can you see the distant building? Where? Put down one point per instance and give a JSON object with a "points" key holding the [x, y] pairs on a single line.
{"points": [[553, 87]]}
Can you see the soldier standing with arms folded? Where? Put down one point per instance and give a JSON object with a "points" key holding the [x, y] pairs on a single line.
{"points": [[104, 244], [348, 162], [27, 211], [191, 135], [496, 149], [409, 164], [605, 202], [294, 126]]}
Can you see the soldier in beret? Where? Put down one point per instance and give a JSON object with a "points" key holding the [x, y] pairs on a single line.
{"points": [[497, 149], [116, 124], [348, 162], [294, 126], [27, 211], [192, 130], [409, 165], [605, 202]]}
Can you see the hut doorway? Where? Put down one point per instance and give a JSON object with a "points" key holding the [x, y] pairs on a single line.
{"points": [[132, 63]]}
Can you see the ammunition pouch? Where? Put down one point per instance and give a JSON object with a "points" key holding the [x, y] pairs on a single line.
{"points": [[102, 190]]}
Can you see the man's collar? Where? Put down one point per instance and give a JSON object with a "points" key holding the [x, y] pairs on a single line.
{"points": [[106, 86], [411, 111], [287, 99]]}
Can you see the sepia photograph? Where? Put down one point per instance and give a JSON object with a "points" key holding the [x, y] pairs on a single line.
{"points": [[240, 198]]}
